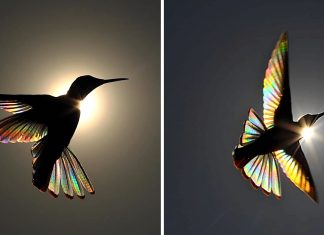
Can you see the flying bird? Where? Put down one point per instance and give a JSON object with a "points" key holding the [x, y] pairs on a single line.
{"points": [[275, 140], [50, 122]]}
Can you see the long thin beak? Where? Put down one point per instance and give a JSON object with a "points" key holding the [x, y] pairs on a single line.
{"points": [[317, 117], [114, 80]]}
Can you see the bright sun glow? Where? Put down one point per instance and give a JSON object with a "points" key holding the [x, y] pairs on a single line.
{"points": [[307, 133], [88, 107]]}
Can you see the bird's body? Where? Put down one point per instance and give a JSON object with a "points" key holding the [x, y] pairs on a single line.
{"points": [[269, 141], [61, 120], [51, 122], [275, 140]]}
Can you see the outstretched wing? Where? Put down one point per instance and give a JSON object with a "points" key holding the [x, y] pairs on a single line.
{"points": [[21, 103], [14, 106], [253, 128], [23, 126], [293, 162], [276, 91]]}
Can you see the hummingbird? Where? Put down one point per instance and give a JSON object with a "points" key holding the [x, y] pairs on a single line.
{"points": [[275, 140], [50, 123]]}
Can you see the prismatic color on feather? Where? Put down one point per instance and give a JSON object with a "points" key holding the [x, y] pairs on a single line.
{"points": [[50, 122], [274, 141]]}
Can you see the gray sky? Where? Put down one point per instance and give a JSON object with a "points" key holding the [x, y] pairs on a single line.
{"points": [[44, 44], [216, 53]]}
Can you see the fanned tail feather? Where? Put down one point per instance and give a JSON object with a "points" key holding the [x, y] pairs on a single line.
{"points": [[263, 172], [69, 172], [66, 172]]}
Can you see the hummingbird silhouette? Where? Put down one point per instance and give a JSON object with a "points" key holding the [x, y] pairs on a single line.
{"points": [[275, 141], [50, 122]]}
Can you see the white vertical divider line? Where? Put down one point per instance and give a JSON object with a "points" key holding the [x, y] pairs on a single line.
{"points": [[162, 117]]}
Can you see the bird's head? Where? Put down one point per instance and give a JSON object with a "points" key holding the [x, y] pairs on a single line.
{"points": [[83, 85], [306, 122]]}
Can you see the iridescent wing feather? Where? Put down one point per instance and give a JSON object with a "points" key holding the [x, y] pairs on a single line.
{"points": [[19, 128], [54, 184], [79, 171], [22, 126], [14, 106], [294, 165], [276, 91], [69, 172], [253, 127], [262, 170]]}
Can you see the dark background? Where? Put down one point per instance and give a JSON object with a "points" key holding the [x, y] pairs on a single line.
{"points": [[216, 53], [46, 43]]}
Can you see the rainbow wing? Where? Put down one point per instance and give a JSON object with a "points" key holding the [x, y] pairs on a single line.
{"points": [[253, 127], [20, 128], [294, 165], [14, 106], [23, 126], [276, 91]]}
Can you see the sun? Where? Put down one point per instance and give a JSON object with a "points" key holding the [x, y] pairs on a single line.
{"points": [[307, 133], [88, 107]]}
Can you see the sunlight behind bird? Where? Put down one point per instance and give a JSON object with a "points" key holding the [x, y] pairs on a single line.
{"points": [[308, 133], [88, 106]]}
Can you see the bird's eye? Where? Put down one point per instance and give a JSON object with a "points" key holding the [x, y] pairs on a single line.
{"points": [[307, 133]]}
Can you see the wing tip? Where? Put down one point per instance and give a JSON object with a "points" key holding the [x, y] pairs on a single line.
{"points": [[39, 187], [265, 192], [251, 110], [284, 36], [255, 186], [54, 195], [68, 196], [244, 175], [277, 197], [313, 195]]}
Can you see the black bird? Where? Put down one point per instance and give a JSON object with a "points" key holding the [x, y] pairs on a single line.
{"points": [[51, 122], [264, 144]]}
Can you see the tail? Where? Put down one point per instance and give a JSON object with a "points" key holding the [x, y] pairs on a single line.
{"points": [[66, 171], [42, 170], [42, 165], [262, 170]]}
